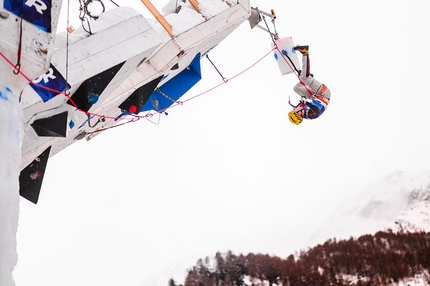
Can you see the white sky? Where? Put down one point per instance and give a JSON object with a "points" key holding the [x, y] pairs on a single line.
{"points": [[140, 204]]}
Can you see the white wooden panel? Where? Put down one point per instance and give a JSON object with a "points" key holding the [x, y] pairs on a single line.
{"points": [[108, 46], [146, 61], [36, 47]]}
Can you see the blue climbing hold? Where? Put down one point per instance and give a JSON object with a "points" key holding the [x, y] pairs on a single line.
{"points": [[93, 98]]}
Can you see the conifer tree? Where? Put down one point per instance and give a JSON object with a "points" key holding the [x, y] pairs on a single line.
{"points": [[171, 282]]}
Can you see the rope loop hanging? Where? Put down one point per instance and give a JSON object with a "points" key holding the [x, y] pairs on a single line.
{"points": [[85, 14]]}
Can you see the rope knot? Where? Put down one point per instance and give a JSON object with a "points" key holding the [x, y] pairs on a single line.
{"points": [[17, 68]]}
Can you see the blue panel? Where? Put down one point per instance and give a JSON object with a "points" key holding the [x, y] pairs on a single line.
{"points": [[52, 80], [37, 12], [175, 87]]}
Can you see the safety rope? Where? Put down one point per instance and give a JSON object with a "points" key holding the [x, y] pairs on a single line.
{"points": [[134, 117], [274, 26], [288, 61], [223, 78], [114, 3], [297, 74], [67, 41], [233, 77], [18, 61], [53, 90]]}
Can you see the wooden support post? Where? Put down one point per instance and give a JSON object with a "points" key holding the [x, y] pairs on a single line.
{"points": [[195, 4], [159, 17]]}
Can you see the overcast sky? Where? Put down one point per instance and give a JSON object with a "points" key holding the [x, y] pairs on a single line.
{"points": [[227, 171]]}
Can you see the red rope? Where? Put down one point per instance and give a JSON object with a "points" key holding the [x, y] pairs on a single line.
{"points": [[56, 91], [294, 71], [18, 60], [233, 77], [135, 117]]}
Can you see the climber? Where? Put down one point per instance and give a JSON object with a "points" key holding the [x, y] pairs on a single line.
{"points": [[315, 95]]}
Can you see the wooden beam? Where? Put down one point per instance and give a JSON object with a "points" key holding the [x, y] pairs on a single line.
{"points": [[195, 4], [159, 17]]}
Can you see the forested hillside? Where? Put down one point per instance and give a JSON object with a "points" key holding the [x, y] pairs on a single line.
{"points": [[381, 259]]}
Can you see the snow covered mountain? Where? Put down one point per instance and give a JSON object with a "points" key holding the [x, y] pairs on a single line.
{"points": [[398, 201], [415, 216]]}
